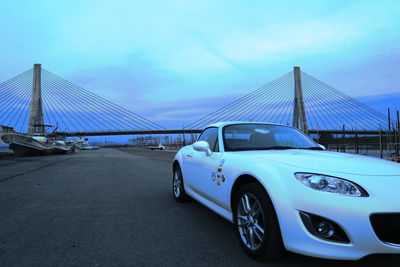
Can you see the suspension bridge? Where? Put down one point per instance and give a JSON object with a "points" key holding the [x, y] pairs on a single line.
{"points": [[38, 98]]}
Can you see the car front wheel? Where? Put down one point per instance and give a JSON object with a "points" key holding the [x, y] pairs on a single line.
{"points": [[256, 224], [178, 189]]}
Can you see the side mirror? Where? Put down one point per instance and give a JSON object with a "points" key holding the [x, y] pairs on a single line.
{"points": [[322, 146], [202, 146]]}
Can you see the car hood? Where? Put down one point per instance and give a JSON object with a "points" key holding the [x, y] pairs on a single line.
{"points": [[325, 162]]}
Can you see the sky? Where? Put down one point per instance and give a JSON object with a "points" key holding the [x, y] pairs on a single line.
{"points": [[176, 61]]}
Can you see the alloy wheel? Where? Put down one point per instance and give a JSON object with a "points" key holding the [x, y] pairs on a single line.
{"points": [[250, 221], [177, 185]]}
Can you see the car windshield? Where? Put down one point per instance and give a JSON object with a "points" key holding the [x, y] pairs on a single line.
{"points": [[239, 137]]}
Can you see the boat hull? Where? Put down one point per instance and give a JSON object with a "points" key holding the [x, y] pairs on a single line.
{"points": [[25, 145], [22, 150], [58, 150]]}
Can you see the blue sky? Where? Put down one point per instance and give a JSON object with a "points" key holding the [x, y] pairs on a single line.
{"points": [[175, 61]]}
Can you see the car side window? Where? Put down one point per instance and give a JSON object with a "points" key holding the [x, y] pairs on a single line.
{"points": [[216, 147], [210, 135]]}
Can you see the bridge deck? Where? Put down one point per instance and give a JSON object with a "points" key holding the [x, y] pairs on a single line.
{"points": [[189, 131]]}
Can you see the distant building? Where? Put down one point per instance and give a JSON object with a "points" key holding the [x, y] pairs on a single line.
{"points": [[6, 129]]}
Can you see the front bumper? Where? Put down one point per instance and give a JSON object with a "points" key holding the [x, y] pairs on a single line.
{"points": [[352, 214]]}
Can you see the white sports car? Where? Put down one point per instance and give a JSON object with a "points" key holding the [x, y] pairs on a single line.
{"points": [[283, 191]]}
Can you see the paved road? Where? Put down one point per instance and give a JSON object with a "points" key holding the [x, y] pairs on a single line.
{"points": [[114, 208]]}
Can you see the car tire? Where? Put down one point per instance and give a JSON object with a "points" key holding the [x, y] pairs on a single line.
{"points": [[178, 190], [257, 227]]}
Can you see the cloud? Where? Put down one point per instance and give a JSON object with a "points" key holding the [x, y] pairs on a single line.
{"points": [[374, 76], [125, 83], [178, 113]]}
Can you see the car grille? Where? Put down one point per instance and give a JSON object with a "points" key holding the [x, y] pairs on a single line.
{"points": [[387, 227]]}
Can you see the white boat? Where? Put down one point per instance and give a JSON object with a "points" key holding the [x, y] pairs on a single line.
{"points": [[88, 147], [27, 145], [61, 147], [4, 148]]}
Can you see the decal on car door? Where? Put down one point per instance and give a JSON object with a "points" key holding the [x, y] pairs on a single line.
{"points": [[218, 177], [221, 162]]}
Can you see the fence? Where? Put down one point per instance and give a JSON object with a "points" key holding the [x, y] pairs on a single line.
{"points": [[379, 150]]}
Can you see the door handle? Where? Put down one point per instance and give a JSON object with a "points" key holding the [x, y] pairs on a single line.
{"points": [[189, 155]]}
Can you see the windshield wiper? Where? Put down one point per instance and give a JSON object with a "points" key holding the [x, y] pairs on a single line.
{"points": [[312, 148], [275, 148], [262, 148], [287, 147]]}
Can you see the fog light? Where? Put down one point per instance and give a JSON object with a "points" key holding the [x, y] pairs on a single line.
{"points": [[326, 229], [323, 228]]}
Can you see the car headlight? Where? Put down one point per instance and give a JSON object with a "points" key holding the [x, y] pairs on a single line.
{"points": [[331, 184]]}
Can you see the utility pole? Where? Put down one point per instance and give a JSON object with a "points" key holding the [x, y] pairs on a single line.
{"points": [[344, 138], [299, 112], [380, 142], [36, 123], [397, 140], [389, 134]]}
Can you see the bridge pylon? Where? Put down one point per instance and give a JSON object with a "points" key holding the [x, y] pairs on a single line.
{"points": [[36, 122], [299, 110]]}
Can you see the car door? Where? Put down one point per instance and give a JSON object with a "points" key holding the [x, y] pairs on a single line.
{"points": [[203, 168]]}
